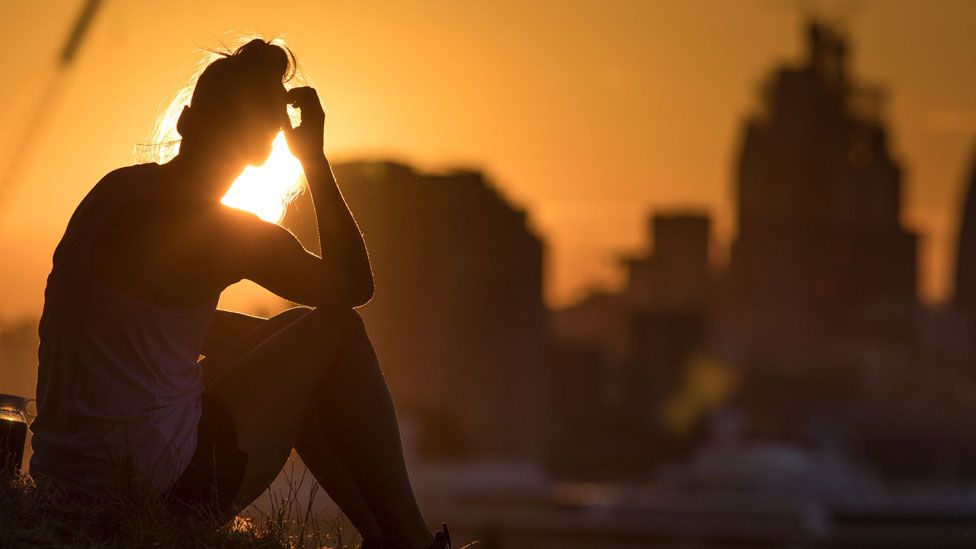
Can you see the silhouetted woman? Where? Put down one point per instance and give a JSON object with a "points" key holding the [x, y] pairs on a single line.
{"points": [[130, 307]]}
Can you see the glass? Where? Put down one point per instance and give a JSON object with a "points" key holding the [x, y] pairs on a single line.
{"points": [[13, 432]]}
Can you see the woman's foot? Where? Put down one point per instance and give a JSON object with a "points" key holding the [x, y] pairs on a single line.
{"points": [[442, 538]]}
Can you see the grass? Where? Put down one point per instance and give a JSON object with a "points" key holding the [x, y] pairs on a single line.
{"points": [[35, 517]]}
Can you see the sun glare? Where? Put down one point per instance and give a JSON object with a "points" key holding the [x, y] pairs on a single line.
{"points": [[266, 190]]}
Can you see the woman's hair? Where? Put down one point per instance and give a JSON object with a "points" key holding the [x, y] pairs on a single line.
{"points": [[220, 74]]}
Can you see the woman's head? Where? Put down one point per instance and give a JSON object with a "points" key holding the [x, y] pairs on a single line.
{"points": [[232, 109], [238, 104]]}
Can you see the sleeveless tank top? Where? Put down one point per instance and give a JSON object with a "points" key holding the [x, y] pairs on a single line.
{"points": [[119, 386]]}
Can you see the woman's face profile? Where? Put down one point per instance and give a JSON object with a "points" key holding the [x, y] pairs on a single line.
{"points": [[253, 126], [241, 129]]}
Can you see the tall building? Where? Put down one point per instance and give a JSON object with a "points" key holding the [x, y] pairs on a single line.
{"points": [[674, 278], [620, 358], [819, 251], [677, 276], [457, 318], [965, 291]]}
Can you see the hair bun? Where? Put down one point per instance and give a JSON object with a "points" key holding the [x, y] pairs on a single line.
{"points": [[264, 56]]}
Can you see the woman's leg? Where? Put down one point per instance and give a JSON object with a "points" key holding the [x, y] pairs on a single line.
{"points": [[328, 471], [352, 418], [272, 388]]}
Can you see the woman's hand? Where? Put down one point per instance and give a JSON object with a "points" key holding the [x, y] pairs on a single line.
{"points": [[306, 141]]}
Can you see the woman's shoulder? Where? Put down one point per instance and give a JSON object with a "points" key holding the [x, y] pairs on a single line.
{"points": [[135, 172], [97, 203], [110, 183]]}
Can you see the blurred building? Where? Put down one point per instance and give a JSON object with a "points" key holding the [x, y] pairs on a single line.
{"points": [[817, 312], [677, 276], [965, 290], [819, 306], [820, 252], [621, 358], [458, 317], [921, 425], [18, 357]]}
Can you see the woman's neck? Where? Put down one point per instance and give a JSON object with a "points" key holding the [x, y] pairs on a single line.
{"points": [[200, 175]]}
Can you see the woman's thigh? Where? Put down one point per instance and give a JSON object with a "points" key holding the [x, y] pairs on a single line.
{"points": [[266, 381]]}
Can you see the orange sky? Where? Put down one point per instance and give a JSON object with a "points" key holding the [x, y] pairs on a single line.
{"points": [[590, 114]]}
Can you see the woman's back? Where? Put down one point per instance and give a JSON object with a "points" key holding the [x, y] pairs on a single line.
{"points": [[118, 380]]}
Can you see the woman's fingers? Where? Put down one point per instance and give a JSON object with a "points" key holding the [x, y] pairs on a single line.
{"points": [[306, 99], [306, 138]]}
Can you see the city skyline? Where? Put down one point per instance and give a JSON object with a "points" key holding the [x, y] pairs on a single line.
{"points": [[663, 132]]}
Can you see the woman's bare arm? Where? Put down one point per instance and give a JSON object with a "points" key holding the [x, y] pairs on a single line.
{"points": [[273, 257], [339, 236], [340, 239]]}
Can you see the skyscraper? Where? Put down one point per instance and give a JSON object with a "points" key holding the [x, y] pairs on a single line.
{"points": [[819, 250], [965, 292]]}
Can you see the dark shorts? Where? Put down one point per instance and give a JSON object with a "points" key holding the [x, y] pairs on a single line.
{"points": [[216, 470]]}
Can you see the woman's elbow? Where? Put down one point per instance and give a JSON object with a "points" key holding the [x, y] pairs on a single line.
{"points": [[363, 294], [352, 294]]}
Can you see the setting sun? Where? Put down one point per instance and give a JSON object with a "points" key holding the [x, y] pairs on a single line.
{"points": [[266, 190]]}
